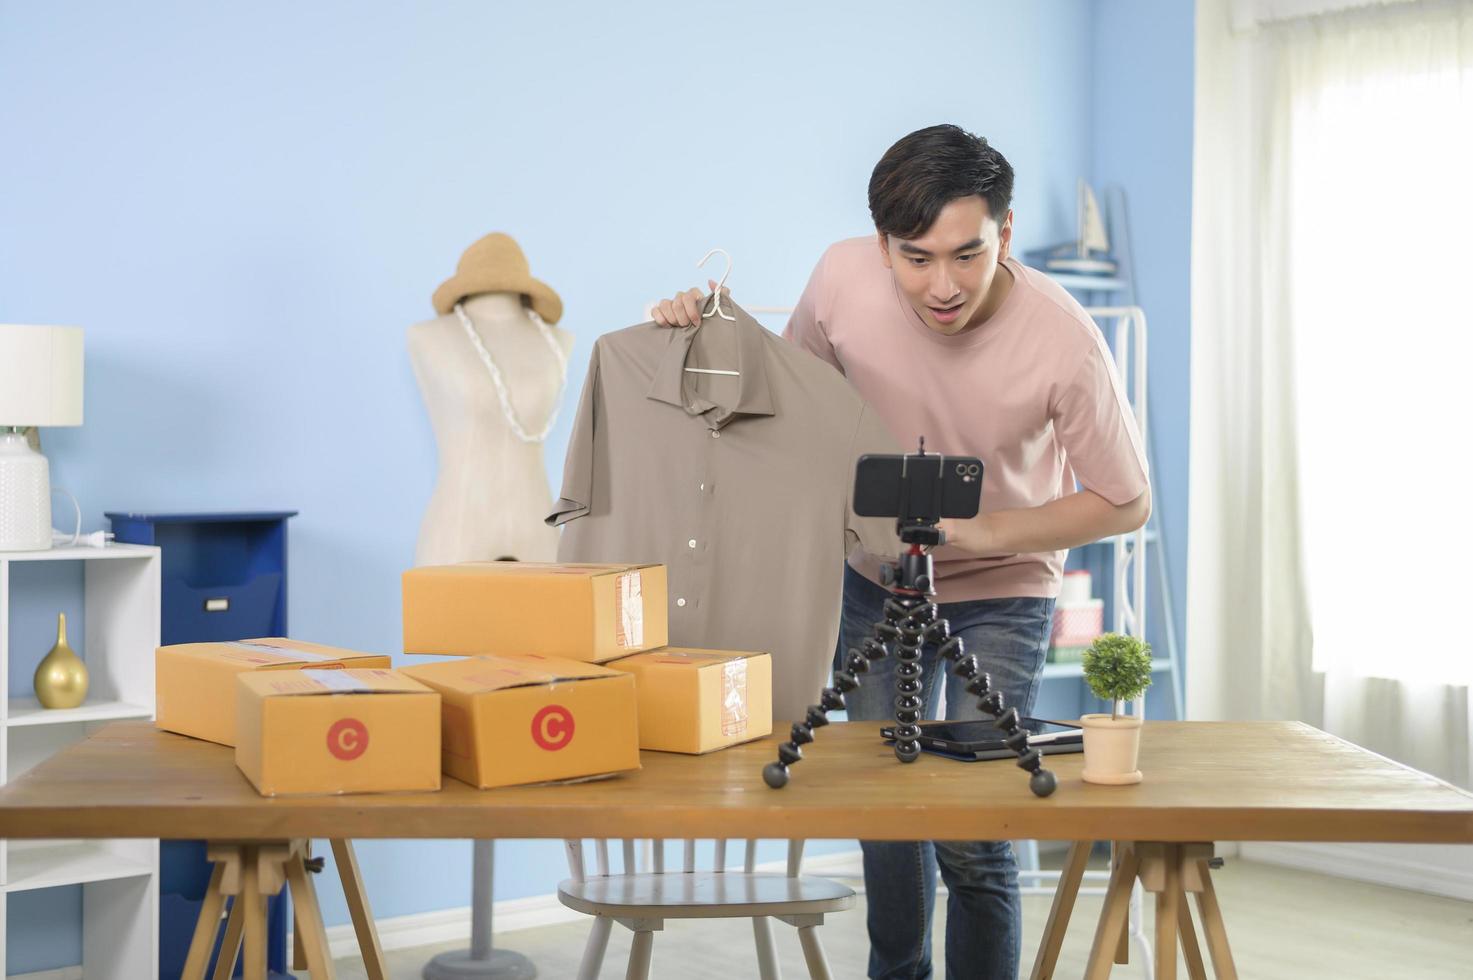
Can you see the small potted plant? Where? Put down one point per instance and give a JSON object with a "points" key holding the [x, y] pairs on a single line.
{"points": [[1117, 669]]}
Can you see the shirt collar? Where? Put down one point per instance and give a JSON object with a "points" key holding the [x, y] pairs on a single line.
{"points": [[754, 394]]}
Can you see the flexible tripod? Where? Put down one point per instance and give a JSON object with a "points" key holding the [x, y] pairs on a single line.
{"points": [[911, 620]]}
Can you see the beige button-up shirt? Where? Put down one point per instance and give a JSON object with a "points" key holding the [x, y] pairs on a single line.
{"points": [[740, 485]]}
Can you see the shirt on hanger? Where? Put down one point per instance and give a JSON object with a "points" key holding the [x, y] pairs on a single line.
{"points": [[1033, 393], [739, 485]]}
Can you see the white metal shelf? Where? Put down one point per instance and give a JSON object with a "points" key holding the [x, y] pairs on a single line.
{"points": [[1126, 328], [28, 711], [1076, 669], [53, 863], [1087, 284], [82, 553], [1112, 539]]}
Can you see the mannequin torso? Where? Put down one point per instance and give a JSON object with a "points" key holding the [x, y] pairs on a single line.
{"points": [[491, 491]]}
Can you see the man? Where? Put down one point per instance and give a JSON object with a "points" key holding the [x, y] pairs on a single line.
{"points": [[947, 336]]}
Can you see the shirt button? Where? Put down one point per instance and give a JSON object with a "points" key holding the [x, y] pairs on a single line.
{"points": [[691, 543], [703, 486], [715, 434], [680, 602]]}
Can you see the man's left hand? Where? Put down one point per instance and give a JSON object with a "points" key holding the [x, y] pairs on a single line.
{"points": [[975, 535]]}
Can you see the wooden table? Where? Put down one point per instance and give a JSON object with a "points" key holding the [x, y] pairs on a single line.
{"points": [[1205, 782]]}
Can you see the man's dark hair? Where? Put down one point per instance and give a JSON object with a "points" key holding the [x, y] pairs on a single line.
{"points": [[930, 168]]}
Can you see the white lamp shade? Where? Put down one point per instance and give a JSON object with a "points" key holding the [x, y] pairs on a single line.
{"points": [[40, 375]]}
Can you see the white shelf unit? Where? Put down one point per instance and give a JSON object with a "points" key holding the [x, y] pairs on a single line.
{"points": [[1070, 669], [1088, 284], [1125, 326], [119, 877]]}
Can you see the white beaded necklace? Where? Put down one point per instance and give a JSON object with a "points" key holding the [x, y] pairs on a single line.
{"points": [[495, 372]]}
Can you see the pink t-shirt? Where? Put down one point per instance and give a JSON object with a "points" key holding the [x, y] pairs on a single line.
{"points": [[1032, 392]]}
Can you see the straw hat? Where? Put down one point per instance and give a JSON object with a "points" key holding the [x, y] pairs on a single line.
{"points": [[495, 264]]}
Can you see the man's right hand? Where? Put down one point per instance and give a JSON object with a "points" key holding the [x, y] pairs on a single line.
{"points": [[684, 309]]}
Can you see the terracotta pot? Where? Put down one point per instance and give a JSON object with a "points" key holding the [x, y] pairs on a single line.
{"points": [[1111, 749]]}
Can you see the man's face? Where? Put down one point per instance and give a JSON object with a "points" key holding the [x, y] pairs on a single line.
{"points": [[947, 273]]}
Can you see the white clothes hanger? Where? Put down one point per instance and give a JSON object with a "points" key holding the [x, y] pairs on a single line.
{"points": [[716, 309]]}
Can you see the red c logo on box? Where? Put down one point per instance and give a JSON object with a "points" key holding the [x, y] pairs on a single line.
{"points": [[347, 739], [552, 727]]}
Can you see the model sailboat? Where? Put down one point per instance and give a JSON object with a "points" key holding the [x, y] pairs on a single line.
{"points": [[1089, 254]]}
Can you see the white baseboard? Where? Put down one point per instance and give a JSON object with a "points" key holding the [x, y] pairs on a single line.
{"points": [[1434, 869], [509, 916], [845, 864], [65, 973]]}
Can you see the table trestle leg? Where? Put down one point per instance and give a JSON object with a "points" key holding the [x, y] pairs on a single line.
{"points": [[249, 872]]}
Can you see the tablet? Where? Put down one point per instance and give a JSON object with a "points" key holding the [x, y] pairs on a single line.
{"points": [[976, 741]]}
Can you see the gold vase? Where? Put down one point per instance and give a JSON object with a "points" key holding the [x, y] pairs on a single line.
{"points": [[61, 679]]}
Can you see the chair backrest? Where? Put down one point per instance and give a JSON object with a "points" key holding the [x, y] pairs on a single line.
{"points": [[653, 857]]}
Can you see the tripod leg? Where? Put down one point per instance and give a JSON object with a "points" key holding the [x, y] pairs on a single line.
{"points": [[909, 680], [910, 621], [775, 774], [1042, 782]]}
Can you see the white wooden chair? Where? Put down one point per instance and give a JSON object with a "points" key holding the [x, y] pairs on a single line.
{"points": [[642, 902]]}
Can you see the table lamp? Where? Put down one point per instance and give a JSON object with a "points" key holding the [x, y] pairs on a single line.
{"points": [[40, 384]]}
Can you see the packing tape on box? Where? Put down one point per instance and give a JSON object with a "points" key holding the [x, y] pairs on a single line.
{"points": [[290, 653], [629, 610], [337, 680], [734, 697]]}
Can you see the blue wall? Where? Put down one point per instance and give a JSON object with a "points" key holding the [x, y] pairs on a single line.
{"points": [[1142, 100], [246, 206]]}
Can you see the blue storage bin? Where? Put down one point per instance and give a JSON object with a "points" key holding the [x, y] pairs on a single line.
{"points": [[224, 578], [177, 916], [183, 869], [223, 612]]}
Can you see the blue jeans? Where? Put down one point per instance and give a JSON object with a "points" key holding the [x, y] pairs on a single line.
{"points": [[1009, 638]]}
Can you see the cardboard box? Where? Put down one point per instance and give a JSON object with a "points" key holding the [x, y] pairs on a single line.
{"points": [[580, 612], [700, 700], [337, 731], [532, 719], [194, 683]]}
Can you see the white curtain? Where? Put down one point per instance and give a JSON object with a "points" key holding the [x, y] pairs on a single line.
{"points": [[1331, 343], [1250, 14]]}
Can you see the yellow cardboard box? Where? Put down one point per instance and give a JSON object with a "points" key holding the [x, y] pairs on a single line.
{"points": [[336, 731], [532, 719], [700, 700], [581, 612], [194, 683]]}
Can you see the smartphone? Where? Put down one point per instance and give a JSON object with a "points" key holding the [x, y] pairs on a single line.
{"points": [[926, 486]]}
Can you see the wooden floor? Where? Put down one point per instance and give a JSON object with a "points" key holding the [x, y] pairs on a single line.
{"points": [[1284, 924]]}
